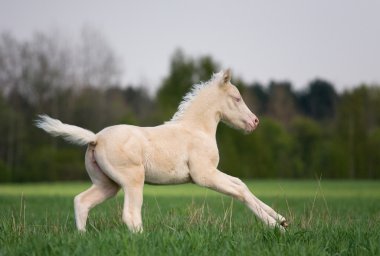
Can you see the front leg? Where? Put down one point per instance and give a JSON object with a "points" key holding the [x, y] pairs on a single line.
{"points": [[221, 182], [282, 221]]}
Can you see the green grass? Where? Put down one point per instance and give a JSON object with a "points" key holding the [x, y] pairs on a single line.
{"points": [[327, 218]]}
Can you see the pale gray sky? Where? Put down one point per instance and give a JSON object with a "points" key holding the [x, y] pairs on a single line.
{"points": [[298, 40]]}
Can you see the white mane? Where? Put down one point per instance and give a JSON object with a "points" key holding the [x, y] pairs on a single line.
{"points": [[189, 97]]}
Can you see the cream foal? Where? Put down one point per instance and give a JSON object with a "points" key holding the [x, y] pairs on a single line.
{"points": [[180, 151]]}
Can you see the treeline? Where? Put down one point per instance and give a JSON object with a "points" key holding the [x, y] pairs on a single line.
{"points": [[302, 134]]}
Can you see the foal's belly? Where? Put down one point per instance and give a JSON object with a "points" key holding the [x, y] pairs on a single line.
{"points": [[169, 174]]}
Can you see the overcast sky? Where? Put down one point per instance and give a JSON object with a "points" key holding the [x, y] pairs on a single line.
{"points": [[338, 40]]}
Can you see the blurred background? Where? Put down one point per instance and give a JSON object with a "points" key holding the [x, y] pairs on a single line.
{"points": [[309, 70]]}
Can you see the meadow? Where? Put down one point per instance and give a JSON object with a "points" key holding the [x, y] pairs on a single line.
{"points": [[326, 218]]}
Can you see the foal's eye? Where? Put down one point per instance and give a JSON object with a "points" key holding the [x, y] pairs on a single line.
{"points": [[237, 99]]}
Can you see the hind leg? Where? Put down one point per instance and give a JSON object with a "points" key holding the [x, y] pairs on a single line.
{"points": [[126, 169], [88, 199], [131, 179], [102, 189], [133, 198]]}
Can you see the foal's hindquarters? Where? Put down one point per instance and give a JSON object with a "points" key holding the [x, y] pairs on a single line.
{"points": [[102, 188], [110, 169]]}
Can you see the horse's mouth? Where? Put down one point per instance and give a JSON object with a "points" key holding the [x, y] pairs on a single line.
{"points": [[250, 128]]}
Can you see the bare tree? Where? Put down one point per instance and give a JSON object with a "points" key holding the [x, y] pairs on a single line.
{"points": [[96, 63], [40, 75]]}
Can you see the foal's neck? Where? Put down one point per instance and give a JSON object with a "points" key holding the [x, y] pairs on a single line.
{"points": [[205, 121], [203, 114]]}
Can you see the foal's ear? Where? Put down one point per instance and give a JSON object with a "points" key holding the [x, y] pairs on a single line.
{"points": [[227, 76]]}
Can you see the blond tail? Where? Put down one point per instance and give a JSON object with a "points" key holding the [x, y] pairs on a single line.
{"points": [[70, 133]]}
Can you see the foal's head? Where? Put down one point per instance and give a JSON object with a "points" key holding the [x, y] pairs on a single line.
{"points": [[233, 109]]}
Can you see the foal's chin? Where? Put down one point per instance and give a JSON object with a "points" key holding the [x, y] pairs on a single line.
{"points": [[248, 129]]}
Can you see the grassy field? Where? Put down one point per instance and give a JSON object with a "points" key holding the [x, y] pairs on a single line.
{"points": [[327, 218]]}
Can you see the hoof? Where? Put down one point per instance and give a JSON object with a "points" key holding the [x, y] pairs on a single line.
{"points": [[284, 223], [82, 231]]}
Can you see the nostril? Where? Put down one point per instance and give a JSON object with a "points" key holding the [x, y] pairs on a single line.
{"points": [[256, 121]]}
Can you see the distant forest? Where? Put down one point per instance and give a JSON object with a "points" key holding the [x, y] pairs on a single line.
{"points": [[311, 133]]}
